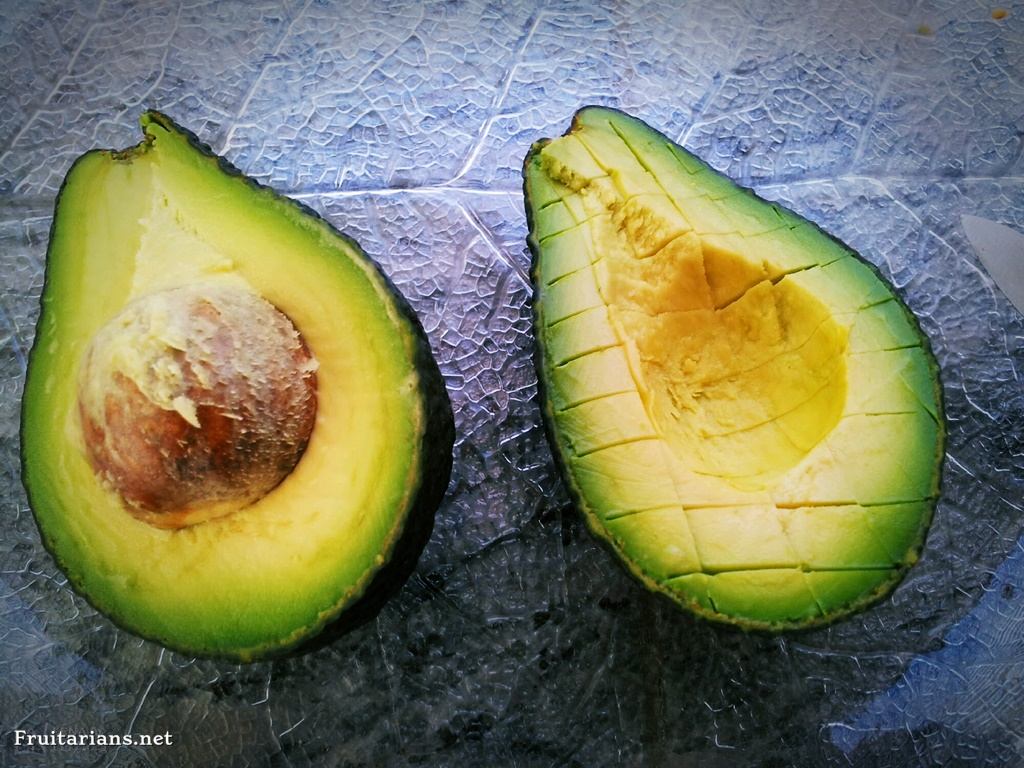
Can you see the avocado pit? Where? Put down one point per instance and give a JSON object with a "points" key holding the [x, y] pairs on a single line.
{"points": [[196, 402]]}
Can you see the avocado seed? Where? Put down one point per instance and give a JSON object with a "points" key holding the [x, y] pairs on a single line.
{"points": [[196, 402]]}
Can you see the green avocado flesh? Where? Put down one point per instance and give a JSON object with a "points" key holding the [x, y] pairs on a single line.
{"points": [[137, 223], [740, 405]]}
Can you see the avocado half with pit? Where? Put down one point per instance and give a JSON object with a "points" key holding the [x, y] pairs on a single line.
{"points": [[232, 423], [740, 405]]}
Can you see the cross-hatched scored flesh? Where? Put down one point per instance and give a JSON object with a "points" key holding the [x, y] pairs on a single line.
{"points": [[740, 405]]}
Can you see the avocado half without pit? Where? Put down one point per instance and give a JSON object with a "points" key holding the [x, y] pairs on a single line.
{"points": [[740, 405], [232, 425]]}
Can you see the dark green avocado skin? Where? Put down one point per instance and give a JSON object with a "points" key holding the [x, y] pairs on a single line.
{"points": [[560, 457], [436, 445]]}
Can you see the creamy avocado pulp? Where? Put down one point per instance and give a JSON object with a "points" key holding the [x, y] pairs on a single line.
{"points": [[167, 214], [740, 405]]}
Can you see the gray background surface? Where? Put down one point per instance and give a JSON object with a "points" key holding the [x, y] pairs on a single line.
{"points": [[519, 641]]}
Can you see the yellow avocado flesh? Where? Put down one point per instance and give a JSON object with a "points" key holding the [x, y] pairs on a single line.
{"points": [[166, 214], [741, 405]]}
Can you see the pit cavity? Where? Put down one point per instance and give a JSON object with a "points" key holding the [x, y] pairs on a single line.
{"points": [[742, 370]]}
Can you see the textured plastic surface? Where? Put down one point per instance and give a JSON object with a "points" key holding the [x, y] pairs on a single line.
{"points": [[519, 640]]}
